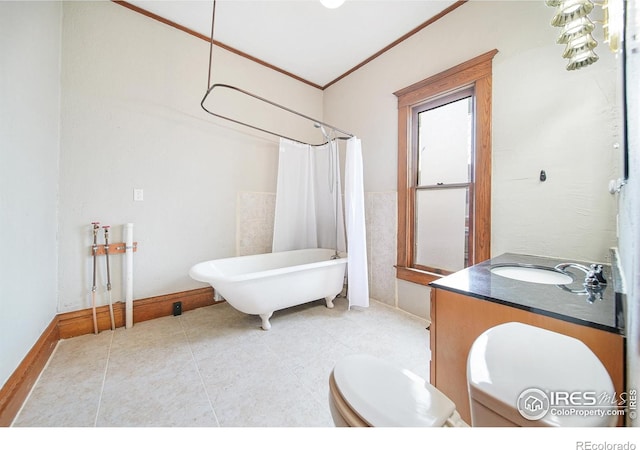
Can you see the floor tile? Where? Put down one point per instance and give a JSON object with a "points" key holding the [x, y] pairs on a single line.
{"points": [[216, 367]]}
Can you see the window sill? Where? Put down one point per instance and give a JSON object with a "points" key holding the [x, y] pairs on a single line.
{"points": [[416, 275]]}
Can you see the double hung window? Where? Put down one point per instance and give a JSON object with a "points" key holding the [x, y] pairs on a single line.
{"points": [[444, 172]]}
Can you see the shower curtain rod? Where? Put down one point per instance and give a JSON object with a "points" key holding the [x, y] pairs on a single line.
{"points": [[211, 87], [315, 122]]}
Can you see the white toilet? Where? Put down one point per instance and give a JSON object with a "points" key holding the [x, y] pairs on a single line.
{"points": [[521, 375], [504, 363]]}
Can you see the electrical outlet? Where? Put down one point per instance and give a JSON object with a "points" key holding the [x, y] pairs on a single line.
{"points": [[177, 308], [138, 195]]}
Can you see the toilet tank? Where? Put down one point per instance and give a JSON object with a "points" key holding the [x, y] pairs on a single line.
{"points": [[521, 375]]}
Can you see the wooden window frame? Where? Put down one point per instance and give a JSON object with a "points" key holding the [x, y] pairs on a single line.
{"points": [[476, 72]]}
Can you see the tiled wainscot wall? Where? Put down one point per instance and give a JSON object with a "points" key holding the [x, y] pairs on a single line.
{"points": [[255, 216]]}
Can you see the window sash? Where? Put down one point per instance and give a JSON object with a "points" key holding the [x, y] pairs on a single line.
{"points": [[451, 221], [430, 156]]}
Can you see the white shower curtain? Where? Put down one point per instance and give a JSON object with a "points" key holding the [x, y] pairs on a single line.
{"points": [[357, 271], [307, 191]]}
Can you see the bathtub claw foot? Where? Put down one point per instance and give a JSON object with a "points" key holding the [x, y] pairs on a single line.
{"points": [[265, 321], [329, 301]]}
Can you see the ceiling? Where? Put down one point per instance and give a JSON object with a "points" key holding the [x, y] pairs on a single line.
{"points": [[301, 37]]}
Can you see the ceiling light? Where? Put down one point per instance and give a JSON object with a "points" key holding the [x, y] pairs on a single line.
{"points": [[332, 4]]}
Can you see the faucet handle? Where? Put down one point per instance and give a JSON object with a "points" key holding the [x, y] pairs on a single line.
{"points": [[591, 281], [598, 273]]}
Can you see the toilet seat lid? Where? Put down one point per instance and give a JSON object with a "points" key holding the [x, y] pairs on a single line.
{"points": [[511, 359], [385, 395]]}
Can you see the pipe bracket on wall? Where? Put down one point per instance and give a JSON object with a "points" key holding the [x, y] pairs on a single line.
{"points": [[118, 247]]}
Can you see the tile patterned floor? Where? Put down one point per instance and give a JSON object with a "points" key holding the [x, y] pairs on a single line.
{"points": [[215, 367]]}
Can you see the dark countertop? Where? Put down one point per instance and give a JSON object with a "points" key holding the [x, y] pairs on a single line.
{"points": [[550, 300]]}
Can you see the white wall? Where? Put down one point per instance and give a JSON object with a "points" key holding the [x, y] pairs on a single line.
{"points": [[131, 118], [544, 117], [30, 35]]}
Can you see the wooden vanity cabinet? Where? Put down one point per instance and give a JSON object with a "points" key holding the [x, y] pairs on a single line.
{"points": [[457, 320]]}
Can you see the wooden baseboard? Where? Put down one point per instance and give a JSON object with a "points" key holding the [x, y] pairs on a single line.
{"points": [[17, 388], [76, 323]]}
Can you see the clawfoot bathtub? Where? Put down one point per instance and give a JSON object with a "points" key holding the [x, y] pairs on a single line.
{"points": [[262, 284]]}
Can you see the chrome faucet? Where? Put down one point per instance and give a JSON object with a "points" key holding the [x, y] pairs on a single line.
{"points": [[564, 266], [593, 275], [594, 281]]}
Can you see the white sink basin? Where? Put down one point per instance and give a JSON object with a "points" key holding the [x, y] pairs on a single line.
{"points": [[532, 274]]}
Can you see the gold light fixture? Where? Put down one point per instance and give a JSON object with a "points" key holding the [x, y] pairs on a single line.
{"points": [[576, 29], [573, 17], [613, 23], [569, 10], [583, 59], [579, 45]]}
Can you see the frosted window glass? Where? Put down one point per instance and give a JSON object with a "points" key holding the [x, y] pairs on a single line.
{"points": [[444, 143], [441, 233]]}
